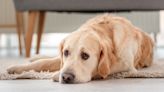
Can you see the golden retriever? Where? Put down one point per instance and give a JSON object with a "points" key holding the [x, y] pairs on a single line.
{"points": [[102, 46]]}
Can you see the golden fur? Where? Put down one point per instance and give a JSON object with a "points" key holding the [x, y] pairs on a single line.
{"points": [[113, 43]]}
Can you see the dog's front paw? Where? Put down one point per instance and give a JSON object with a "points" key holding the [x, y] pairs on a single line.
{"points": [[14, 70], [55, 77], [133, 71]]}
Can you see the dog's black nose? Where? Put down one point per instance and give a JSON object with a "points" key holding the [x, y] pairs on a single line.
{"points": [[67, 78]]}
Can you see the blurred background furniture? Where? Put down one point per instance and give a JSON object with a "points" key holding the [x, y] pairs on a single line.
{"points": [[40, 7], [5, 22]]}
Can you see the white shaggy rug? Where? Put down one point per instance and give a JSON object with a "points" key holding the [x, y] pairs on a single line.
{"points": [[155, 71]]}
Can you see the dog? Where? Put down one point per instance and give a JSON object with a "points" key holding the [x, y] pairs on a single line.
{"points": [[104, 45]]}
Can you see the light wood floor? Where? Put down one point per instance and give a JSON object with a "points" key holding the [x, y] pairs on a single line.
{"points": [[118, 85]]}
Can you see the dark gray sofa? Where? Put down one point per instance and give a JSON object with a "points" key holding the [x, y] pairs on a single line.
{"points": [[89, 5]]}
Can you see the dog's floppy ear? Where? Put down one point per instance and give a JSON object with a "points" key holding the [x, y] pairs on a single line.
{"points": [[107, 57], [61, 46]]}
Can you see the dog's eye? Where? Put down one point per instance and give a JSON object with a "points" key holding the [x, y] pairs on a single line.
{"points": [[66, 53], [84, 56]]}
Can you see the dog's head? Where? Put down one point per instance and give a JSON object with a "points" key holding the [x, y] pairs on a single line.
{"points": [[84, 56]]}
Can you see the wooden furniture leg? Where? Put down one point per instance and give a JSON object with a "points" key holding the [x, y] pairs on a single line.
{"points": [[40, 29], [31, 25], [20, 29]]}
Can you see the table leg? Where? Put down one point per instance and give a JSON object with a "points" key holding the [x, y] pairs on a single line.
{"points": [[31, 25], [40, 29], [20, 29]]}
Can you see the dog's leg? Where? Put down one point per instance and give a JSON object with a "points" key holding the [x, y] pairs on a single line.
{"points": [[51, 65], [56, 76], [132, 68], [37, 57], [126, 62], [130, 63]]}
